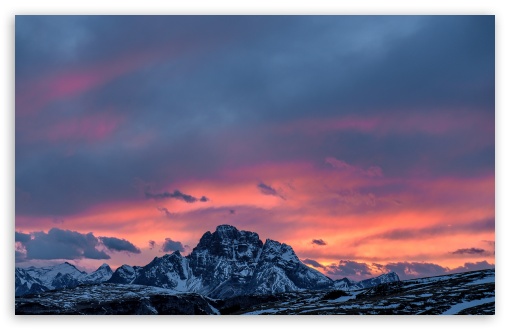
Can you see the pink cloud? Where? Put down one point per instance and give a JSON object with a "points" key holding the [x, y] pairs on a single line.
{"points": [[396, 122], [34, 95], [90, 128], [372, 171]]}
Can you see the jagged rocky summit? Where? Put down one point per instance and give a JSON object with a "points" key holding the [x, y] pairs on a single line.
{"points": [[226, 263]]}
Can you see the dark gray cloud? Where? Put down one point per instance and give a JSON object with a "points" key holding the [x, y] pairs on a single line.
{"points": [[472, 266], [177, 195], [313, 263], [407, 270], [152, 244], [21, 237], [410, 270], [169, 246], [380, 267], [19, 256], [231, 211], [469, 251], [165, 211], [119, 244], [63, 244], [268, 190], [319, 242], [349, 268]]}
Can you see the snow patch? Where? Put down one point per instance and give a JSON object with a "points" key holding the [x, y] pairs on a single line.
{"points": [[463, 305]]}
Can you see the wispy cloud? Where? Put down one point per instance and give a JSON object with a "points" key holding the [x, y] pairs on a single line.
{"points": [[177, 195], [469, 251], [319, 241], [151, 244], [485, 225], [372, 171], [268, 190], [165, 211]]}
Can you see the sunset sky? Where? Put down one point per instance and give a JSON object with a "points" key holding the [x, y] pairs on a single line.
{"points": [[364, 142]]}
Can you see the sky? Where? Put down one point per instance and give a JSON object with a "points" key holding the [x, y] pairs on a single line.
{"points": [[364, 142]]}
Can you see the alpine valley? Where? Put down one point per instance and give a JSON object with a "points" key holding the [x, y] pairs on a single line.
{"points": [[232, 271]]}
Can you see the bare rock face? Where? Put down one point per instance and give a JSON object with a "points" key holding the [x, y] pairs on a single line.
{"points": [[227, 256]]}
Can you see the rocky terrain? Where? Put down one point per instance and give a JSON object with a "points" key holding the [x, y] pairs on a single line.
{"points": [[463, 293]]}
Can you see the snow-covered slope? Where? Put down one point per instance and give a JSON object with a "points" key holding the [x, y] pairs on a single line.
{"points": [[125, 274], [26, 284], [100, 275], [224, 261], [65, 275], [56, 276], [279, 270], [170, 271]]}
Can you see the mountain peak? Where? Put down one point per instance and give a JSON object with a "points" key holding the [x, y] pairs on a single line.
{"points": [[66, 267], [226, 227]]}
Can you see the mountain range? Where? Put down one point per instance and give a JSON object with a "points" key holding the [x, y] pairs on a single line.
{"points": [[226, 263]]}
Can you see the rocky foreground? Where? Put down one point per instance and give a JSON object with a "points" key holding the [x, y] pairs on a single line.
{"points": [[463, 293]]}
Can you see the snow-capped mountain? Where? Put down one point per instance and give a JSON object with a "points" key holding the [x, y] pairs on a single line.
{"points": [[226, 263], [100, 275], [349, 285], [231, 262], [52, 276], [26, 284], [65, 275], [125, 274]]}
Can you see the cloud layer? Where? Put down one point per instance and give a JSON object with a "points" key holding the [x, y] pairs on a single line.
{"points": [[170, 246], [67, 244], [119, 245], [374, 134]]}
